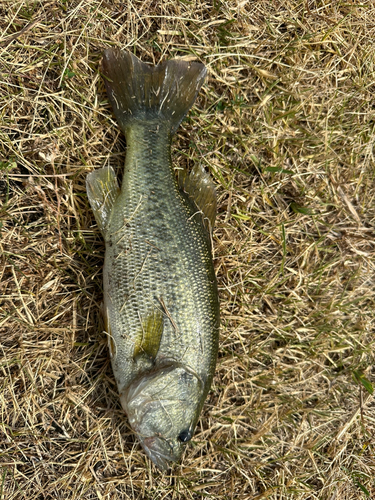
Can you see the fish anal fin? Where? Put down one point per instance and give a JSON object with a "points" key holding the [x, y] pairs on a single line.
{"points": [[200, 188], [149, 337], [102, 190]]}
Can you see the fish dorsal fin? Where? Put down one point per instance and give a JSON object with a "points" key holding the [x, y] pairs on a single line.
{"points": [[102, 190], [199, 187], [148, 339]]}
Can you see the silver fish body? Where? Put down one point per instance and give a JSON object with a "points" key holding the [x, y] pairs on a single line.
{"points": [[160, 292]]}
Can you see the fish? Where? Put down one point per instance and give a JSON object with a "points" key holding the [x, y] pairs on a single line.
{"points": [[160, 296]]}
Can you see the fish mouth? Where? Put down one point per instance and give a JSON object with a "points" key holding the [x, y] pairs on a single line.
{"points": [[160, 452]]}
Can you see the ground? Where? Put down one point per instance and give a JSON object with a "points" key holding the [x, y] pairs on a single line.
{"points": [[285, 124]]}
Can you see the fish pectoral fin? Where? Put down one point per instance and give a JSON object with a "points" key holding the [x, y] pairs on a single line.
{"points": [[102, 190], [200, 188], [149, 336]]}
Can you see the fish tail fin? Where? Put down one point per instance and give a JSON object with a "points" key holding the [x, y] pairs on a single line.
{"points": [[140, 92]]}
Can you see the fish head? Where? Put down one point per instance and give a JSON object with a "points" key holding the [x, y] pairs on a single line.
{"points": [[163, 407]]}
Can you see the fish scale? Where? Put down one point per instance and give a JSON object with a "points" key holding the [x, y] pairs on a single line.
{"points": [[147, 221], [160, 292]]}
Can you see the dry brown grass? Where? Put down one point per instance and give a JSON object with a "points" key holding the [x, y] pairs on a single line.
{"points": [[286, 124]]}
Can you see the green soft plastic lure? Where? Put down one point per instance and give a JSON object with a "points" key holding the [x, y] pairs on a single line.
{"points": [[160, 292]]}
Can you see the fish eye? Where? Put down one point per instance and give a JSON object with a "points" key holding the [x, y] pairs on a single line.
{"points": [[185, 436]]}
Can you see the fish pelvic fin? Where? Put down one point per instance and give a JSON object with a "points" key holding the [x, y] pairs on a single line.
{"points": [[200, 189], [149, 336], [102, 191], [138, 91]]}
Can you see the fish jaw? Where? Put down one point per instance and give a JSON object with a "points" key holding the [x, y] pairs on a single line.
{"points": [[160, 452]]}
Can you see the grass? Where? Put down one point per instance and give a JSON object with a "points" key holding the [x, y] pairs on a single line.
{"points": [[285, 124]]}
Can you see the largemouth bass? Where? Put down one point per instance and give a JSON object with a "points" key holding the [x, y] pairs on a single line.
{"points": [[160, 292]]}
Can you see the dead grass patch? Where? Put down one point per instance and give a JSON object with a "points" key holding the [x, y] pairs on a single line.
{"points": [[285, 123]]}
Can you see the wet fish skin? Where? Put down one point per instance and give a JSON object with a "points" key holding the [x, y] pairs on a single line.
{"points": [[160, 291]]}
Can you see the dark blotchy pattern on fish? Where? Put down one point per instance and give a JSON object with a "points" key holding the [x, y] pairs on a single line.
{"points": [[168, 258]]}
